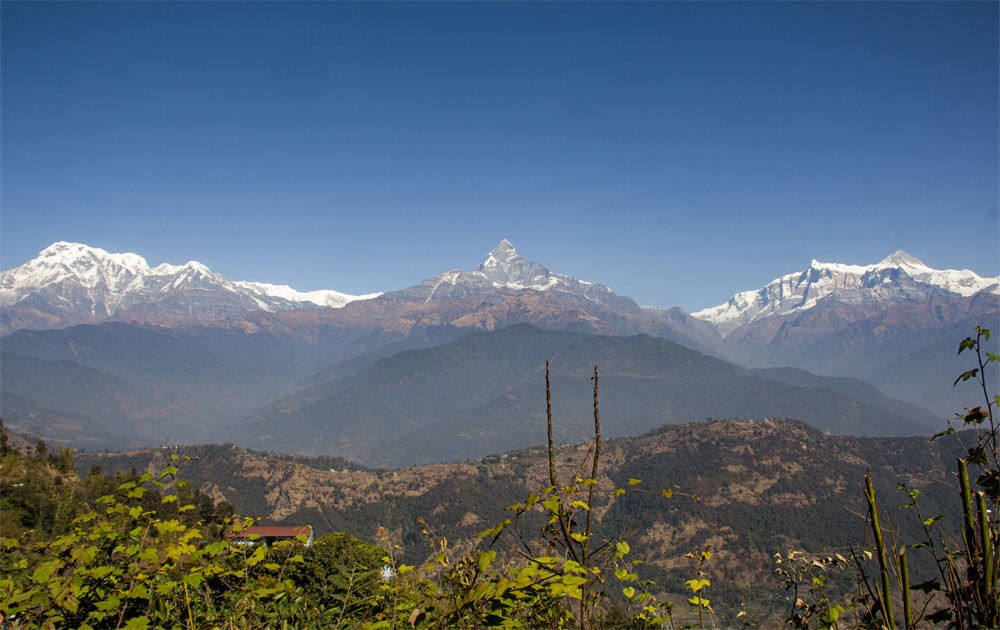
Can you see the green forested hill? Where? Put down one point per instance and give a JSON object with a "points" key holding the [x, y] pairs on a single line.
{"points": [[480, 394], [748, 488]]}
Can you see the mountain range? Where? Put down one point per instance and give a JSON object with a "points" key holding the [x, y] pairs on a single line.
{"points": [[71, 283], [184, 353], [900, 277]]}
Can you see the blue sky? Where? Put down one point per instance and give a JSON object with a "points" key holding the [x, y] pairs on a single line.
{"points": [[677, 152]]}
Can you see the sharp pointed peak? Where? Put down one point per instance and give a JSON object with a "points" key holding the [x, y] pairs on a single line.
{"points": [[503, 253], [505, 246]]}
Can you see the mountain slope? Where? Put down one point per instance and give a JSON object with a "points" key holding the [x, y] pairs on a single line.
{"points": [[479, 394], [504, 268], [215, 375], [862, 321], [764, 487], [899, 277], [76, 430], [72, 283], [137, 412]]}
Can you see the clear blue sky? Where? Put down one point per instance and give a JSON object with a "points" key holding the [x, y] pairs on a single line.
{"points": [[677, 152]]}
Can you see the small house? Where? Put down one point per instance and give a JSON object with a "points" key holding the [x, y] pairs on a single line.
{"points": [[270, 534]]}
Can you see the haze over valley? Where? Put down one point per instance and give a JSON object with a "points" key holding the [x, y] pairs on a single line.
{"points": [[104, 351]]}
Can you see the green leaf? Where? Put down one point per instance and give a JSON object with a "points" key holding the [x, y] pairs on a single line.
{"points": [[166, 527], [947, 431], [831, 614], [485, 559], [964, 376], [628, 592], [622, 548], [967, 344], [169, 471], [697, 585], [573, 580], [257, 556], [634, 482], [194, 580], [42, 574], [493, 532], [551, 504]]}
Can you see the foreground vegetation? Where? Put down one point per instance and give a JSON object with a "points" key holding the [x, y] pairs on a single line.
{"points": [[147, 550]]}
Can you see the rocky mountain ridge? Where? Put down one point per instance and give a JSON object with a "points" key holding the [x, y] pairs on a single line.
{"points": [[503, 269], [72, 283], [900, 277], [902, 338]]}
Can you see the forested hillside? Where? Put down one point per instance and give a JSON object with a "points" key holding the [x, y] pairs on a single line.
{"points": [[754, 520], [748, 488]]}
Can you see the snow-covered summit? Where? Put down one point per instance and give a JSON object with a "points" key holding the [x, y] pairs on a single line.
{"points": [[70, 283], [504, 268], [897, 277], [321, 297]]}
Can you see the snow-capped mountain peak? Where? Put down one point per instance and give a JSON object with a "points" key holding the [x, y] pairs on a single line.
{"points": [[503, 252], [899, 276], [72, 283], [902, 258], [321, 297], [504, 268]]}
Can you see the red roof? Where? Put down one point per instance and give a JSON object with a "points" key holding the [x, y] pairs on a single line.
{"points": [[276, 531]]}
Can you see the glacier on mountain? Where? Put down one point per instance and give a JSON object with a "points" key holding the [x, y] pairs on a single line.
{"points": [[900, 276], [78, 278], [504, 268]]}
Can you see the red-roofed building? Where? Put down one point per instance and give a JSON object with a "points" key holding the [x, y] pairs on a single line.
{"points": [[270, 534]]}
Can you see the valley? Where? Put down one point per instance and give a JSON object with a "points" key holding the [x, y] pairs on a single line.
{"points": [[416, 416], [458, 356]]}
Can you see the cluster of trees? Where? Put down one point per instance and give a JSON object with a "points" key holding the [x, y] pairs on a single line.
{"points": [[136, 550]]}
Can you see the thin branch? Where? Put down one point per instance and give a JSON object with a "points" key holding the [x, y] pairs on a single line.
{"points": [[548, 422]]}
